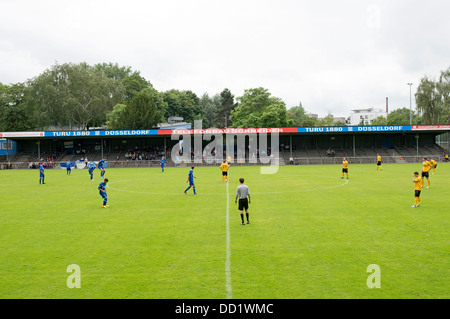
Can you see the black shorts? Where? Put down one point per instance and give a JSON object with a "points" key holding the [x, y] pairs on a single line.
{"points": [[416, 193], [224, 173], [243, 204], [378, 163], [425, 174], [345, 170], [435, 166]]}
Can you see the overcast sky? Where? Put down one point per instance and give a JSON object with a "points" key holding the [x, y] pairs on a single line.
{"points": [[332, 56]]}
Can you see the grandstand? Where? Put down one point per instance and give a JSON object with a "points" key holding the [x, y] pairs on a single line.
{"points": [[359, 145]]}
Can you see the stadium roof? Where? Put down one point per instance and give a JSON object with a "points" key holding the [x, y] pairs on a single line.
{"points": [[212, 131]]}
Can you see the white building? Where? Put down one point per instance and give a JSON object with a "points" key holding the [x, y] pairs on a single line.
{"points": [[366, 116]]}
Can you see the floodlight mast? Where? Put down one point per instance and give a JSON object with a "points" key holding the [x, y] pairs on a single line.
{"points": [[410, 110]]}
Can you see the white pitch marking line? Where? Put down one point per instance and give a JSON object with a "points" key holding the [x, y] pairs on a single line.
{"points": [[228, 250]]}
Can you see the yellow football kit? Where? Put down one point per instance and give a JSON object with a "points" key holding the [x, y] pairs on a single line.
{"points": [[224, 167], [425, 172], [344, 168], [417, 190]]}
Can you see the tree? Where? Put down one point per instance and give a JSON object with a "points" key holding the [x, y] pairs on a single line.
{"points": [[131, 81], [145, 110], [380, 120], [113, 118], [298, 115], [326, 121], [210, 105], [432, 99], [73, 95], [185, 104], [13, 111], [402, 117], [227, 105], [258, 108]]}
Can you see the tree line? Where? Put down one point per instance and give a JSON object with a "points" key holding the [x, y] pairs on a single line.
{"points": [[80, 96]]}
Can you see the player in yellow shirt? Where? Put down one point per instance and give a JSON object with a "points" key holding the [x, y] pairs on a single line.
{"points": [[224, 168], [344, 167], [433, 165], [379, 162], [417, 189], [425, 171]]}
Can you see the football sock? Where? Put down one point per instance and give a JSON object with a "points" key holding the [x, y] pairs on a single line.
{"points": [[242, 218], [194, 190], [187, 189], [246, 214]]}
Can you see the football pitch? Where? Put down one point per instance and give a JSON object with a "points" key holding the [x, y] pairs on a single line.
{"points": [[311, 234]]}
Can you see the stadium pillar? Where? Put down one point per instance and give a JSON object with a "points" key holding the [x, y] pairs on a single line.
{"points": [[7, 151], [354, 145], [290, 145], [417, 144], [164, 147]]}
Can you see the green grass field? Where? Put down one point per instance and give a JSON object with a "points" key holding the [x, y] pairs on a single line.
{"points": [[312, 234]]}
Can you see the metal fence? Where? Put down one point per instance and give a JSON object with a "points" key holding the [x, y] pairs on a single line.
{"points": [[282, 161]]}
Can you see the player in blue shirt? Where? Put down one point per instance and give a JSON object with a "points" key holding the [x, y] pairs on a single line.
{"points": [[68, 168], [162, 162], [101, 168], [102, 192], [41, 173], [191, 180], [91, 171]]}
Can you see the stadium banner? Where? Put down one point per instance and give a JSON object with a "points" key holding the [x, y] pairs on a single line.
{"points": [[21, 134], [354, 129], [431, 127], [64, 165], [107, 133], [156, 132], [213, 131]]}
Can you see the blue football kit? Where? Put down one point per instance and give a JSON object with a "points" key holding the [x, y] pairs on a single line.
{"points": [[41, 174], [191, 181], [102, 192]]}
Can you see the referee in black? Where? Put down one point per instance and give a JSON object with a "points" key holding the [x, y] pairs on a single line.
{"points": [[243, 194]]}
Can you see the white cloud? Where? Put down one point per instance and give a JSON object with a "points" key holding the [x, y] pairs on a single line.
{"points": [[333, 56]]}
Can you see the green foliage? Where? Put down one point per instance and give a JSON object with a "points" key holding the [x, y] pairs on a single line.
{"points": [[210, 105], [113, 118], [13, 112], [258, 108], [227, 105], [185, 104], [145, 110], [432, 99], [73, 95], [402, 117], [298, 115], [326, 121], [131, 81], [380, 120]]}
